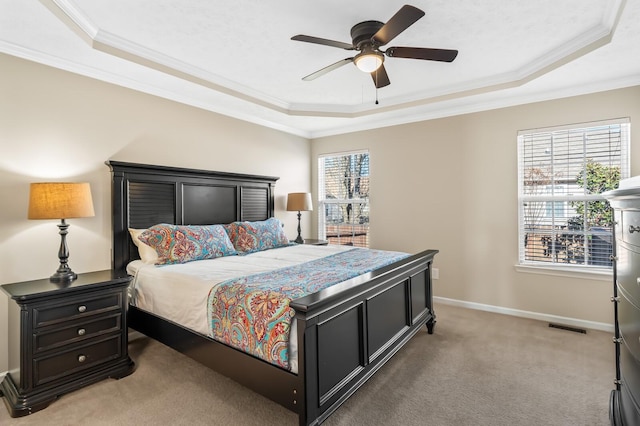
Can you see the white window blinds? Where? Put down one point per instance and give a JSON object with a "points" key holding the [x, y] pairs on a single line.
{"points": [[563, 219], [343, 198]]}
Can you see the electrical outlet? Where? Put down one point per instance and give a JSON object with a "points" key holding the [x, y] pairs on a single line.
{"points": [[435, 273]]}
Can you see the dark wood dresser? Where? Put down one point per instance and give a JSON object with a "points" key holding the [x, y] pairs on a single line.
{"points": [[63, 337], [624, 406]]}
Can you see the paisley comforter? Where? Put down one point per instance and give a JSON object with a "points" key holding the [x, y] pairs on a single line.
{"points": [[252, 313]]}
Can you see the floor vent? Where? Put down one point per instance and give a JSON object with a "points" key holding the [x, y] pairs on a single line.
{"points": [[566, 327]]}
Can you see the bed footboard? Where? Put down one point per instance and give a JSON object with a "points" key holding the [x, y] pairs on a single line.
{"points": [[347, 333]]}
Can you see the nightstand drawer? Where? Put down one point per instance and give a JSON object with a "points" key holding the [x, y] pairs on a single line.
{"points": [[81, 307], [80, 358], [79, 331]]}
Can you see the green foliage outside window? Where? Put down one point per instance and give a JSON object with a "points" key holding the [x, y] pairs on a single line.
{"points": [[596, 179]]}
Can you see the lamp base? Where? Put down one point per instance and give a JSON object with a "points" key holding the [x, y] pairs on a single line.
{"points": [[299, 240], [63, 275]]}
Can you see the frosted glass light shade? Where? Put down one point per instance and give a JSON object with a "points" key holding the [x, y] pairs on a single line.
{"points": [[368, 62]]}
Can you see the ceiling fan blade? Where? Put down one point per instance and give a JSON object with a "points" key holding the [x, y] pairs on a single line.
{"points": [[443, 55], [403, 19], [323, 41], [325, 70], [380, 77]]}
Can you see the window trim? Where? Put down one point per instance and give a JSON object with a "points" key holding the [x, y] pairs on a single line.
{"points": [[578, 271]]}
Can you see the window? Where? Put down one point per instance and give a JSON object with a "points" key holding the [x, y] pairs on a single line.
{"points": [[343, 198], [563, 219]]}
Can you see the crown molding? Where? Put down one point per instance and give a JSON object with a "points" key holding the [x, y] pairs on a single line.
{"points": [[465, 106], [137, 85], [69, 13]]}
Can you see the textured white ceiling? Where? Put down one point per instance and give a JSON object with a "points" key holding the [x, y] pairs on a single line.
{"points": [[237, 58]]}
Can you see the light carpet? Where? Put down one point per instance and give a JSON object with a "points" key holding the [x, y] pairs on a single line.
{"points": [[478, 368]]}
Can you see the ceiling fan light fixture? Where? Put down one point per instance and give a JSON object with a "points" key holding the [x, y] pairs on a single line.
{"points": [[368, 36], [368, 60]]}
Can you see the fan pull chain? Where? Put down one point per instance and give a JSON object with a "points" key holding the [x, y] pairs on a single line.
{"points": [[377, 85]]}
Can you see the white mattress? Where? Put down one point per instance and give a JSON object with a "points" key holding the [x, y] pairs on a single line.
{"points": [[179, 293]]}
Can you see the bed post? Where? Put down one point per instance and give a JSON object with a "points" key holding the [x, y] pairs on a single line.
{"points": [[303, 394], [119, 220], [431, 323]]}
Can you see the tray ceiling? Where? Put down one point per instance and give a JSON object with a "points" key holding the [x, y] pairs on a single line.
{"points": [[237, 58]]}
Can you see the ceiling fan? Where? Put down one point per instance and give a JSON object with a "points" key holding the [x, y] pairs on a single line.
{"points": [[368, 36]]}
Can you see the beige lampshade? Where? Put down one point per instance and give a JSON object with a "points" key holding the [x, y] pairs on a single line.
{"points": [[60, 200], [299, 202]]}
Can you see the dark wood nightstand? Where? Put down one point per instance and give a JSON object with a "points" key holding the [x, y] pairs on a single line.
{"points": [[315, 242], [64, 337]]}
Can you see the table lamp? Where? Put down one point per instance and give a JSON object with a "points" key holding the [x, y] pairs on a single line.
{"points": [[61, 200], [300, 202]]}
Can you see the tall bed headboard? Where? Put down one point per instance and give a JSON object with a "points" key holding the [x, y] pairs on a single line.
{"points": [[144, 195]]}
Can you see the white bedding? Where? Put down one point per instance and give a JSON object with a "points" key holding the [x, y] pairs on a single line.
{"points": [[179, 292]]}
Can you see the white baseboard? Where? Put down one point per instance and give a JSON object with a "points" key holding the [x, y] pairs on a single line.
{"points": [[2, 374], [572, 322]]}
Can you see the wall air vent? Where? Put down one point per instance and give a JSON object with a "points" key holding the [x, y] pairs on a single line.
{"points": [[566, 327]]}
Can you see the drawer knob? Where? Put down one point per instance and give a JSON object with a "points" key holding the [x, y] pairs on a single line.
{"points": [[633, 229], [82, 308], [82, 358], [81, 331]]}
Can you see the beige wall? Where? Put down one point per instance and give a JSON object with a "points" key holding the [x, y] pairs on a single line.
{"points": [[451, 184], [55, 125]]}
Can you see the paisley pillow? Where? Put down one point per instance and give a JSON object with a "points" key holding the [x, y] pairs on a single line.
{"points": [[249, 237], [185, 243]]}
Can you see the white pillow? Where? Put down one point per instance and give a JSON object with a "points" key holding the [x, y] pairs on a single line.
{"points": [[147, 253]]}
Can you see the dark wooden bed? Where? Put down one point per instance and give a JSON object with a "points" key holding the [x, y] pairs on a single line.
{"points": [[345, 333]]}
